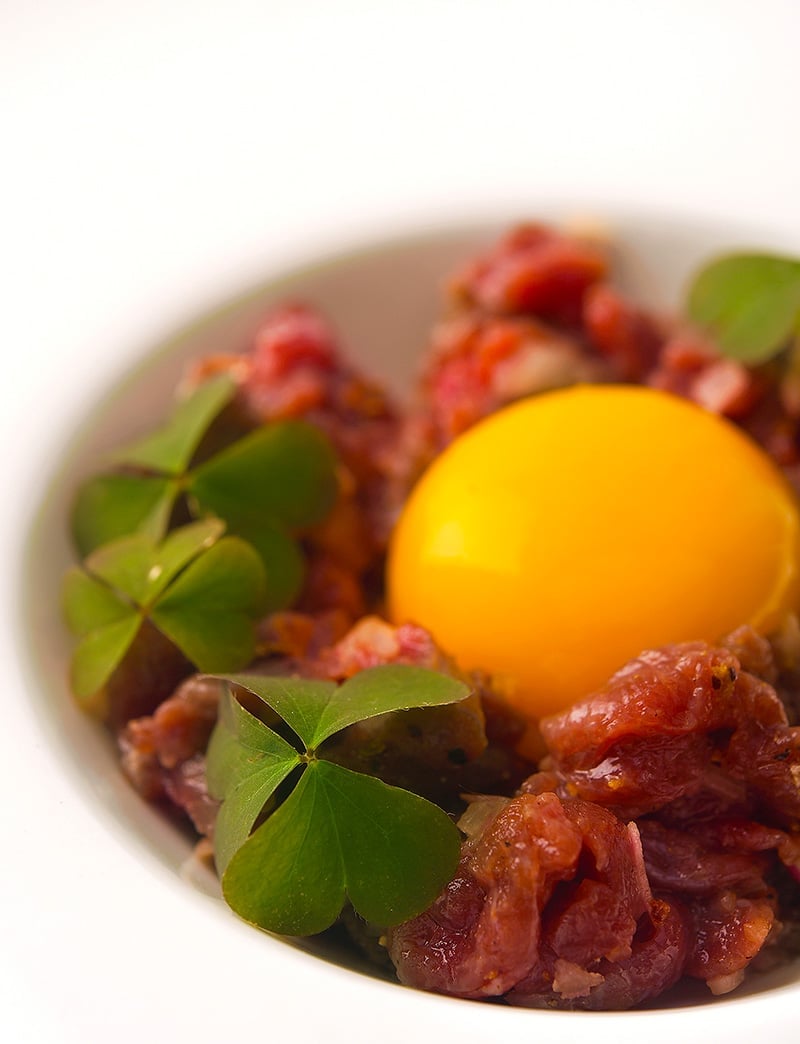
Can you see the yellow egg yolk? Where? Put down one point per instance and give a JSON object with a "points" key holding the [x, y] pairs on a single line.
{"points": [[567, 533]]}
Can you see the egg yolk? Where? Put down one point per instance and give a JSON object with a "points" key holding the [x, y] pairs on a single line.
{"points": [[567, 533]]}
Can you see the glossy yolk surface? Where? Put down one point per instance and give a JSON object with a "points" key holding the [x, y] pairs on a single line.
{"points": [[567, 533]]}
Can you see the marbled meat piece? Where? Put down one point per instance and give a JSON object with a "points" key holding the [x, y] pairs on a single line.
{"points": [[479, 363], [671, 720], [687, 755], [550, 907], [162, 754], [532, 270]]}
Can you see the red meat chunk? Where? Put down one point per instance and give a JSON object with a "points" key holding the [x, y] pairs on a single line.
{"points": [[664, 725], [699, 750], [162, 754], [655, 962], [550, 905], [626, 335], [690, 365], [296, 369], [533, 270], [692, 864], [727, 934], [480, 363]]}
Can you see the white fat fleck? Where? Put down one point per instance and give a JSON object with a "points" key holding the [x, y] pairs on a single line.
{"points": [[543, 366], [154, 573], [725, 983]]}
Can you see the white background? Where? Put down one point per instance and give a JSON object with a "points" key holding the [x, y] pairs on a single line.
{"points": [[155, 156]]}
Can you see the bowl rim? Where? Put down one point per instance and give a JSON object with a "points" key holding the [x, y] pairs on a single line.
{"points": [[71, 437]]}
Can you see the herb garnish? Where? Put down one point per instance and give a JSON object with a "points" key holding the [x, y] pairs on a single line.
{"points": [[750, 302], [275, 480], [201, 589], [339, 833]]}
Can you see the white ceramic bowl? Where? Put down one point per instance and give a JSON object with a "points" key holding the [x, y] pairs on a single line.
{"points": [[382, 297]]}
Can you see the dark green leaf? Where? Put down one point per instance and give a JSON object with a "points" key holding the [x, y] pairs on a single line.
{"points": [[204, 596], [341, 832], [245, 762], [285, 472], [208, 611], [317, 709], [138, 568], [398, 849], [283, 562], [299, 701], [89, 604], [100, 652], [254, 742], [113, 506], [125, 565], [750, 302], [170, 449], [177, 550], [390, 687], [289, 876]]}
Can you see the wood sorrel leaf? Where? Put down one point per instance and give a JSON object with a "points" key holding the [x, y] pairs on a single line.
{"points": [[178, 549], [201, 592], [100, 652], [124, 564], [398, 849], [208, 610], [317, 709], [89, 604], [170, 449], [342, 833], [288, 877], [283, 561], [140, 569], [245, 762], [299, 701], [285, 472], [278, 478], [112, 506], [750, 302], [389, 687], [339, 832]]}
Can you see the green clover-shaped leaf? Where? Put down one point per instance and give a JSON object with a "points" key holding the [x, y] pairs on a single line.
{"points": [[282, 557], [266, 486], [750, 302], [246, 761], [318, 709], [282, 471], [208, 610], [99, 653], [339, 834], [170, 449], [112, 506], [203, 590]]}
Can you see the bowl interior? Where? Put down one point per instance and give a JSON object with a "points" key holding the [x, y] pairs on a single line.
{"points": [[382, 298]]}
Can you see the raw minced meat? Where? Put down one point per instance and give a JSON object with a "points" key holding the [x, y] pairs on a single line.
{"points": [[693, 757], [658, 835]]}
